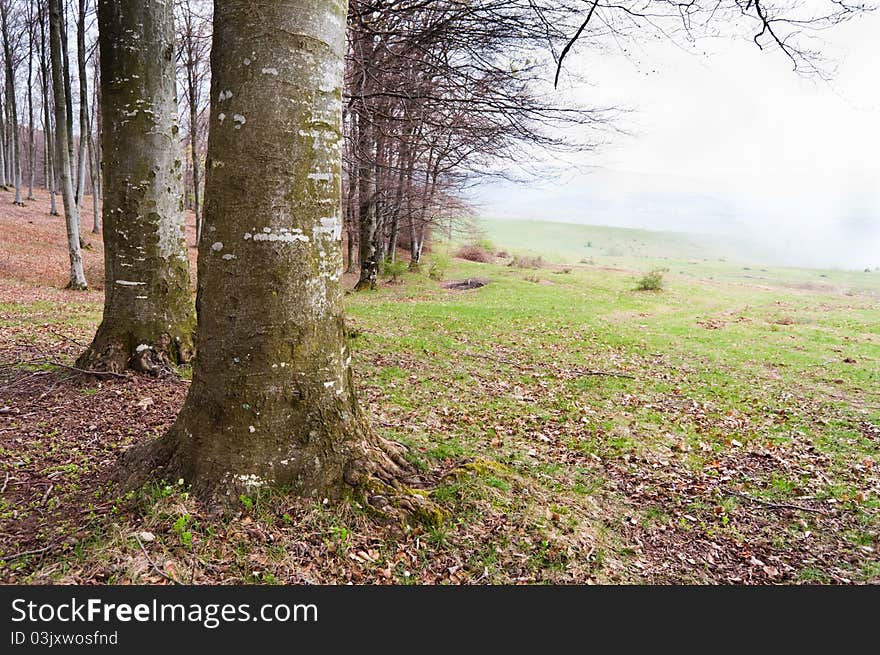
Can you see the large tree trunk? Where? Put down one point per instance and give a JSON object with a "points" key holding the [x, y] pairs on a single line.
{"points": [[77, 275], [272, 401], [148, 309]]}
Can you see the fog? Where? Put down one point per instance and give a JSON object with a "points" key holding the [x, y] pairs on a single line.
{"points": [[725, 139]]}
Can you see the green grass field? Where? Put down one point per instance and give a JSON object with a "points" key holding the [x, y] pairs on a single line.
{"points": [[703, 257], [572, 429]]}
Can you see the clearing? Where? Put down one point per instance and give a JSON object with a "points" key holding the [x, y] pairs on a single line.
{"points": [[578, 431]]}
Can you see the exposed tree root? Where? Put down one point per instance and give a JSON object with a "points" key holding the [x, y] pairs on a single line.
{"points": [[381, 476], [116, 354]]}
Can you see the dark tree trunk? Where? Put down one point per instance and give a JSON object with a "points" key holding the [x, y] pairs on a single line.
{"points": [[71, 215], [148, 309], [272, 401], [366, 204]]}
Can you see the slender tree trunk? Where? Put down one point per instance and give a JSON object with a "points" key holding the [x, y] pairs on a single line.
{"points": [[94, 167], [365, 155], [77, 275], [32, 153], [4, 180], [149, 317], [12, 109], [272, 401], [47, 116], [83, 105], [192, 92], [68, 101]]}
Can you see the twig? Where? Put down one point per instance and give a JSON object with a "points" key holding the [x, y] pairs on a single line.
{"points": [[767, 503], [573, 371], [152, 563], [5, 483], [8, 558], [100, 374], [46, 494], [66, 338]]}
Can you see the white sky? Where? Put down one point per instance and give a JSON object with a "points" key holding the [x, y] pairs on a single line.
{"points": [[773, 150]]}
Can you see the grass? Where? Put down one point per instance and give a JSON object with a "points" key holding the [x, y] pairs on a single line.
{"points": [[575, 428]]}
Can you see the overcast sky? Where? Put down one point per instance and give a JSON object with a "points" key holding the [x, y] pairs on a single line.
{"points": [[728, 142]]}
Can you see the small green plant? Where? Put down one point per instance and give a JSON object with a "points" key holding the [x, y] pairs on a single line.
{"points": [[180, 528], [440, 261], [652, 280], [394, 270]]}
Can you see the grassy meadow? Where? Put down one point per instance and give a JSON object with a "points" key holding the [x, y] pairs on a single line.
{"points": [[725, 429]]}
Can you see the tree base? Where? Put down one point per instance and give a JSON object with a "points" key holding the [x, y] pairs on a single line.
{"points": [[380, 477], [117, 353]]}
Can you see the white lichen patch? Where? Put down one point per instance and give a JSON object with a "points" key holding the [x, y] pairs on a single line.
{"points": [[283, 235], [142, 347], [217, 246], [320, 177], [329, 383], [251, 429], [229, 257], [249, 481], [239, 121], [221, 117], [224, 95], [129, 283], [270, 71]]}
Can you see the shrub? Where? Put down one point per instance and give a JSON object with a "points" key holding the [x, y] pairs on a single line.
{"points": [[485, 243], [520, 261], [475, 253], [394, 269], [440, 261], [652, 280]]}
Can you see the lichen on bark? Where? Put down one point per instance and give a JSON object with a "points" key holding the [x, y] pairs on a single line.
{"points": [[272, 401], [149, 318]]}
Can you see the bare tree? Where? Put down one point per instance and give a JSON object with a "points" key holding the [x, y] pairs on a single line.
{"points": [[193, 29], [149, 318], [272, 401], [48, 132], [14, 152], [77, 275]]}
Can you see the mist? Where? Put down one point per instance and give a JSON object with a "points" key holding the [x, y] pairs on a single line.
{"points": [[724, 139]]}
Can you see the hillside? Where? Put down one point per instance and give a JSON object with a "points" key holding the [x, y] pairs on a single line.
{"points": [[691, 255]]}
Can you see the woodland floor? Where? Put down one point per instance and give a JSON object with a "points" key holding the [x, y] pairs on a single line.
{"points": [[740, 442]]}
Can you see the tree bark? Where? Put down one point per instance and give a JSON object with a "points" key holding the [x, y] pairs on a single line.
{"points": [[365, 154], [148, 309], [83, 105], [14, 152], [32, 153], [77, 275], [47, 116], [272, 402]]}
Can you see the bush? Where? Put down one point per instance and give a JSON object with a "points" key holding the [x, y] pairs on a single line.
{"points": [[440, 261], [652, 280], [394, 270], [520, 261], [475, 253], [485, 243]]}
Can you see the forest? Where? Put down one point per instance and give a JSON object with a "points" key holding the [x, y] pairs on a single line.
{"points": [[254, 331]]}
